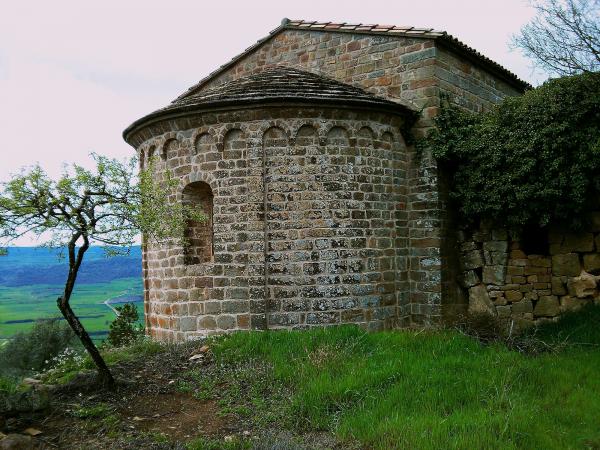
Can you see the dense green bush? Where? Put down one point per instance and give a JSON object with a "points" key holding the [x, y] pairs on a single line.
{"points": [[124, 329], [34, 350], [532, 160]]}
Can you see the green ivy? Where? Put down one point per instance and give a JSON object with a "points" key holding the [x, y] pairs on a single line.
{"points": [[532, 160]]}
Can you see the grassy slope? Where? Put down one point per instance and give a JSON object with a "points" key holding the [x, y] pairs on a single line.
{"points": [[432, 390]]}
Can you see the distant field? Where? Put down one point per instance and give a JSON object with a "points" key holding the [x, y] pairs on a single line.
{"points": [[31, 280]]}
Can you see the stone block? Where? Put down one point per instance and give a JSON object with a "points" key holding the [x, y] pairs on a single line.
{"points": [[513, 296], [568, 303], [539, 261], [472, 259], [578, 242], [494, 275], [547, 306], [558, 286], [187, 323], [470, 278], [226, 322], [597, 243], [522, 307], [583, 286], [566, 265], [207, 323], [503, 311], [480, 302], [591, 262]]}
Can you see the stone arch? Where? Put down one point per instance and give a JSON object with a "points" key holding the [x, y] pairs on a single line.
{"points": [[234, 143], [202, 142], [223, 133], [142, 159], [151, 152], [275, 136], [193, 177], [338, 135], [279, 124], [365, 136], [170, 147], [386, 141], [199, 245], [306, 134]]}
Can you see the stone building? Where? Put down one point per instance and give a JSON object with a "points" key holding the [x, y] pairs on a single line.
{"points": [[320, 210]]}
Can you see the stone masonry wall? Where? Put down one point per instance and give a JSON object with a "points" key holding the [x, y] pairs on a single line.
{"points": [[414, 71], [309, 221], [502, 279]]}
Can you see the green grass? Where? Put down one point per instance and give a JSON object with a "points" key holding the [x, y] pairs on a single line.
{"points": [[29, 303], [421, 390]]}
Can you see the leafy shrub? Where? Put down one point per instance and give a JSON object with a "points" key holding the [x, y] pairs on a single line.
{"points": [[124, 329], [32, 351], [532, 160]]}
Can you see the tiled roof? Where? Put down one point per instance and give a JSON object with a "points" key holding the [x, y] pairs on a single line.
{"points": [[374, 29], [278, 84]]}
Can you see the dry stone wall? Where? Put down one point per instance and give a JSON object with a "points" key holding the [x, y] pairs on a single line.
{"points": [[506, 279], [309, 222]]}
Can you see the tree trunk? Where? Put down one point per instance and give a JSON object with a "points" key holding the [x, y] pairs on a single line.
{"points": [[75, 260], [105, 376]]}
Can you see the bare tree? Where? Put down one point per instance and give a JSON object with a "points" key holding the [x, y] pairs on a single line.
{"points": [[564, 37], [106, 206]]}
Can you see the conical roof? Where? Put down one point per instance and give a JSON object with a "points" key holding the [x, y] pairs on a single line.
{"points": [[275, 85]]}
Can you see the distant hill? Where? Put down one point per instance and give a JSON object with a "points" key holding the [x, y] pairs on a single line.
{"points": [[24, 266]]}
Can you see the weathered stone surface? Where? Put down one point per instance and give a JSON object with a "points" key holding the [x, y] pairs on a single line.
{"points": [[591, 262], [495, 252], [558, 286], [503, 311], [480, 302], [522, 307], [597, 240], [472, 259], [17, 442], [513, 296], [547, 306], [494, 275], [566, 265], [578, 242], [583, 286], [470, 278], [568, 303]]}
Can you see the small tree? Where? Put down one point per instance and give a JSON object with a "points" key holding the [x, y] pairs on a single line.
{"points": [[564, 37], [107, 205], [124, 329]]}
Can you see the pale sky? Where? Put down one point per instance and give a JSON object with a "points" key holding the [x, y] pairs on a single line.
{"points": [[74, 74]]}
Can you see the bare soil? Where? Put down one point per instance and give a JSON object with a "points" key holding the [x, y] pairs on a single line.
{"points": [[146, 410]]}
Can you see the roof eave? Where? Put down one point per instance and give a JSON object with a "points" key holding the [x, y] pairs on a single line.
{"points": [[228, 105]]}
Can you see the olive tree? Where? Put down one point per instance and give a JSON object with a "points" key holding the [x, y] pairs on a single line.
{"points": [[564, 37], [109, 205]]}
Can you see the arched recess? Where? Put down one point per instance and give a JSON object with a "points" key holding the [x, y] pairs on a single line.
{"points": [[387, 140], [170, 148], [233, 144], [338, 136], [307, 135], [365, 137], [203, 143], [199, 247], [142, 159]]}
